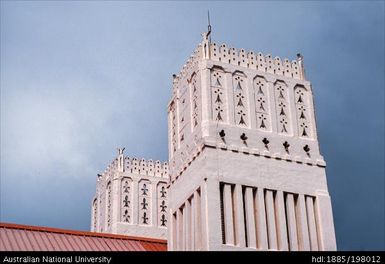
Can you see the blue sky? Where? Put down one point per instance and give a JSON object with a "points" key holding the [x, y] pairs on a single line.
{"points": [[79, 79]]}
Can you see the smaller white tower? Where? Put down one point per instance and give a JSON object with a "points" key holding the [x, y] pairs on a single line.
{"points": [[131, 198]]}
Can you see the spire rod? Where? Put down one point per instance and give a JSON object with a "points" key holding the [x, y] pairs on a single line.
{"points": [[208, 25], [208, 21]]}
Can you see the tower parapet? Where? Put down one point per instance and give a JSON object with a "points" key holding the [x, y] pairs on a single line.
{"points": [[255, 61], [252, 60]]}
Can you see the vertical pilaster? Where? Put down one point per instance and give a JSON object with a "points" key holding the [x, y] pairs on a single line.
{"points": [[311, 113], [272, 104], [185, 228], [93, 222], [98, 205], [259, 205], [115, 202], [281, 221], [302, 226], [179, 230], [135, 201], [292, 115], [154, 205], [291, 222], [171, 241], [212, 222], [311, 223], [193, 223], [206, 96], [270, 218], [170, 141], [239, 217], [251, 97], [228, 215], [324, 217], [206, 216], [200, 216], [188, 225], [229, 94], [250, 220]]}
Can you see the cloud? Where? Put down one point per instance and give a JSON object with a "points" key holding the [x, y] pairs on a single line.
{"points": [[80, 79]]}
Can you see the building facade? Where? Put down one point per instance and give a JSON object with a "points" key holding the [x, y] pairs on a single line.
{"points": [[245, 170]]}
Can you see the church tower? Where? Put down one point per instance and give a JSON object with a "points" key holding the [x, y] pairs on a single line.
{"points": [[245, 167], [131, 198]]}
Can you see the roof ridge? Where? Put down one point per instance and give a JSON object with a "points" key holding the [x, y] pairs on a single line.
{"points": [[78, 232]]}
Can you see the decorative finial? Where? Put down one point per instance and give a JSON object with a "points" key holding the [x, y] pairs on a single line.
{"points": [[206, 42], [301, 66], [120, 159], [207, 35], [121, 150]]}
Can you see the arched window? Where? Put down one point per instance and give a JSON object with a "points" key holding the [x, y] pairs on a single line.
{"points": [[126, 198], [240, 99], [301, 97], [282, 108], [262, 106]]}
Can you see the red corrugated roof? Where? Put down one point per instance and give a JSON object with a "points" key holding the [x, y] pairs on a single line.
{"points": [[14, 237]]}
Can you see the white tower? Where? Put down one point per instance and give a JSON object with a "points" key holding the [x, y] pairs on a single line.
{"points": [[131, 198], [246, 172]]}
